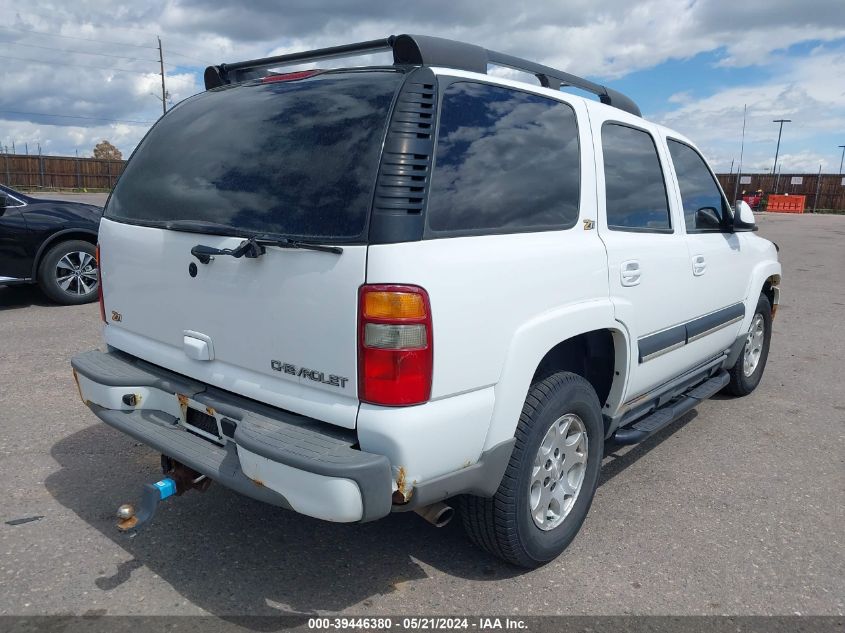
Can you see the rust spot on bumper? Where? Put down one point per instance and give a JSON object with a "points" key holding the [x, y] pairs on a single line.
{"points": [[404, 491], [78, 388], [183, 404]]}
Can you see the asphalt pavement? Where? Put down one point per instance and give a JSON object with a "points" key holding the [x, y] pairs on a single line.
{"points": [[739, 508]]}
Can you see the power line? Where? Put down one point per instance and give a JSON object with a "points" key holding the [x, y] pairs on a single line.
{"points": [[45, 62], [151, 35], [66, 50], [50, 63], [74, 37], [73, 116], [98, 41], [170, 51]]}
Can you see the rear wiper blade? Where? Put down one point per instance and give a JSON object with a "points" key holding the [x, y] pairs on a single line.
{"points": [[286, 242], [202, 226], [254, 247]]}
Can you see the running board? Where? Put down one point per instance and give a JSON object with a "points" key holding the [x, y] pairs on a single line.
{"points": [[667, 414]]}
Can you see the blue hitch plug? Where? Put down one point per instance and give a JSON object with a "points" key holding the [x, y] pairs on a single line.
{"points": [[129, 519]]}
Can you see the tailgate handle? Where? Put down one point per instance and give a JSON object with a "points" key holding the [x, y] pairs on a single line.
{"points": [[197, 345], [248, 248]]}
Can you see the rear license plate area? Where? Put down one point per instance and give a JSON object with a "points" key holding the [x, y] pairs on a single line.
{"points": [[202, 424]]}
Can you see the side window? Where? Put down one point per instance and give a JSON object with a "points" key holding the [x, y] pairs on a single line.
{"points": [[705, 208], [634, 185], [506, 161], [10, 201]]}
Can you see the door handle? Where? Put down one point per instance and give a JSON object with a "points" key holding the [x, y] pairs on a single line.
{"points": [[630, 271], [699, 265]]}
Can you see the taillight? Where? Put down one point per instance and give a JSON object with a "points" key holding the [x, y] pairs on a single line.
{"points": [[299, 74], [395, 347], [100, 284]]}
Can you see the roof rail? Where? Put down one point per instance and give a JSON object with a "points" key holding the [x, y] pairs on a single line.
{"points": [[422, 50]]}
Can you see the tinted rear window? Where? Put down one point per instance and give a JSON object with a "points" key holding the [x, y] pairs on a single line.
{"points": [[507, 161], [293, 158]]}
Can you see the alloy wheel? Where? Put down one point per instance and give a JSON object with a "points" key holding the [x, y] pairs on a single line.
{"points": [[558, 471], [76, 273]]}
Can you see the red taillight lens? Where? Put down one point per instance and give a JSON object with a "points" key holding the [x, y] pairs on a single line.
{"points": [[299, 74], [100, 284], [395, 347]]}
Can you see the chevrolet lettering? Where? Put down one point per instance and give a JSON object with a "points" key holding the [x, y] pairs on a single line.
{"points": [[312, 374]]}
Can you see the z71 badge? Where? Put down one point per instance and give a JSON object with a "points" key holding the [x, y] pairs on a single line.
{"points": [[311, 374]]}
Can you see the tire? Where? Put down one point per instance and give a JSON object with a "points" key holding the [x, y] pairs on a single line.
{"points": [[755, 352], [504, 524], [68, 273]]}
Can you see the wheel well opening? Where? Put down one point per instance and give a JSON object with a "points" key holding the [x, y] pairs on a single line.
{"points": [[590, 355], [771, 290], [58, 239]]}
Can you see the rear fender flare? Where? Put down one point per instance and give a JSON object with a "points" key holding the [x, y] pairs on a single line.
{"points": [[533, 340]]}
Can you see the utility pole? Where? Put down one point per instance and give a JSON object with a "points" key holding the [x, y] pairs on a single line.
{"points": [[841, 159], [818, 186], [777, 149], [163, 90], [41, 165], [741, 152]]}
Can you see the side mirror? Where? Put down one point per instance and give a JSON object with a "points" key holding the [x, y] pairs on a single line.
{"points": [[744, 217]]}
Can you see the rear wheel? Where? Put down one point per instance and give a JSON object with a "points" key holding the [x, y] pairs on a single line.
{"points": [[551, 478], [68, 273], [748, 369]]}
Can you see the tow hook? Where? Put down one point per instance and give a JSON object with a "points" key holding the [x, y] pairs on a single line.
{"points": [[180, 480]]}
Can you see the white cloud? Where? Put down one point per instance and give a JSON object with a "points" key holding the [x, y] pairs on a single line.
{"points": [[681, 97], [808, 90], [607, 39]]}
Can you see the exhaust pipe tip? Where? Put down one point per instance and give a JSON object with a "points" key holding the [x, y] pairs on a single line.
{"points": [[438, 514]]}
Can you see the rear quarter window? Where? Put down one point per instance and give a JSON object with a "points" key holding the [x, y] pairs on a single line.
{"points": [[506, 161]]}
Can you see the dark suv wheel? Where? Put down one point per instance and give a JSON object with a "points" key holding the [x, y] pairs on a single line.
{"points": [[68, 273], [748, 369], [551, 478]]}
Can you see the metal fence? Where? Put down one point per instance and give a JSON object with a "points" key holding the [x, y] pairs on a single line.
{"points": [[825, 191], [58, 172]]}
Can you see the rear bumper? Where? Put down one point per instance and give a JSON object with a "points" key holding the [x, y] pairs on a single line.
{"points": [[274, 456]]}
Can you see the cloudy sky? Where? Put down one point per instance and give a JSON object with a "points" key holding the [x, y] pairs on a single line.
{"points": [[77, 72]]}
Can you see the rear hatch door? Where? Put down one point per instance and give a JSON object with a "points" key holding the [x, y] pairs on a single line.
{"points": [[273, 160]]}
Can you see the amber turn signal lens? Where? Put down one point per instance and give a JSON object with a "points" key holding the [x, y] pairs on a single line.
{"points": [[393, 305]]}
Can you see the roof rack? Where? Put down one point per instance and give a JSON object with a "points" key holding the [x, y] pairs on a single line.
{"points": [[421, 50]]}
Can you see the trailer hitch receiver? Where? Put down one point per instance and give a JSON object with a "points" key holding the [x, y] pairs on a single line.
{"points": [[180, 479], [130, 519]]}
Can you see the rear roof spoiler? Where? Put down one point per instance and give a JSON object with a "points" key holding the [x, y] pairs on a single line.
{"points": [[421, 50]]}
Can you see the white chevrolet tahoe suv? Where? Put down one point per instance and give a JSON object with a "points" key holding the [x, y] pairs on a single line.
{"points": [[370, 290]]}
